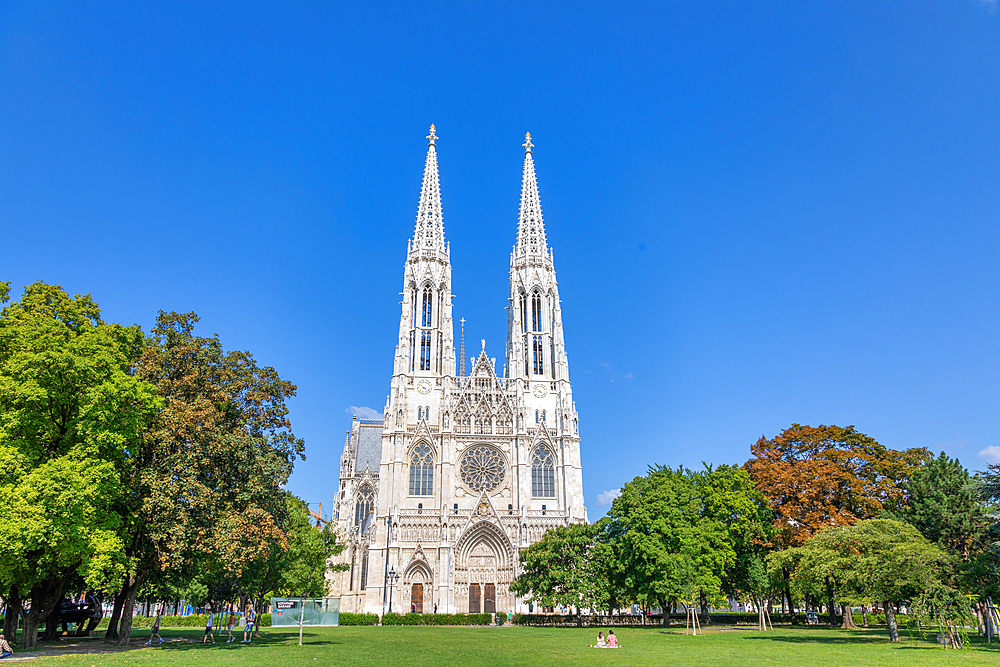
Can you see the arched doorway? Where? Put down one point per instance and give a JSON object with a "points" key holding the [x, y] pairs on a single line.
{"points": [[474, 596], [417, 598]]}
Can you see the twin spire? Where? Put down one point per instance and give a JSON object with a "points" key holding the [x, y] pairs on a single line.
{"points": [[429, 232]]}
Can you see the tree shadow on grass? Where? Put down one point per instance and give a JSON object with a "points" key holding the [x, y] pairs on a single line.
{"points": [[846, 637]]}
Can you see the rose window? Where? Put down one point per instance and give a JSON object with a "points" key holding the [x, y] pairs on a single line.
{"points": [[482, 468]]}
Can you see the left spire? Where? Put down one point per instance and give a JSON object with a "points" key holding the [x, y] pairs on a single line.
{"points": [[429, 232]]}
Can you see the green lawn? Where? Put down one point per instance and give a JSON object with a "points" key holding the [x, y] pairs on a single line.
{"points": [[415, 646]]}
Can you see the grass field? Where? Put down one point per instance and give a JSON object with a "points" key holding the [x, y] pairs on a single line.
{"points": [[497, 647]]}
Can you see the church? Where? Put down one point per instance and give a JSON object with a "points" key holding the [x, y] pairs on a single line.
{"points": [[467, 466]]}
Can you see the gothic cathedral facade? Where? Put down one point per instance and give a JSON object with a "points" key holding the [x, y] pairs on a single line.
{"points": [[466, 468]]}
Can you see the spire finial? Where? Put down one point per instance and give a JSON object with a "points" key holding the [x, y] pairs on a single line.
{"points": [[484, 345], [461, 353], [530, 228], [527, 141], [432, 137]]}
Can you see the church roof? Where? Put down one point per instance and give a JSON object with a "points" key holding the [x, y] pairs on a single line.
{"points": [[369, 447]]}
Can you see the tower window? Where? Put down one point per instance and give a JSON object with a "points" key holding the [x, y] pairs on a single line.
{"points": [[428, 307], [538, 355], [413, 350], [413, 302], [543, 416], [422, 471], [543, 476], [420, 414], [524, 313], [425, 350], [536, 416], [364, 571]]}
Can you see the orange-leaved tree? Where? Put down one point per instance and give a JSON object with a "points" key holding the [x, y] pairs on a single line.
{"points": [[821, 476]]}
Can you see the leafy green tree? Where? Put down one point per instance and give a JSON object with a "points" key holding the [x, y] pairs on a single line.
{"points": [[943, 504], [204, 483], [666, 547], [875, 560], [70, 411], [730, 496], [561, 569]]}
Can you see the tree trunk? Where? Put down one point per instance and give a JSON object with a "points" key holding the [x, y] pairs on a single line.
{"points": [[14, 613], [864, 615], [112, 632], [890, 620], [830, 601], [846, 617], [665, 621], [44, 597], [706, 619], [130, 589]]}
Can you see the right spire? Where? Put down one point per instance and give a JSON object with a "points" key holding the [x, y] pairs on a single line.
{"points": [[530, 228], [429, 231]]}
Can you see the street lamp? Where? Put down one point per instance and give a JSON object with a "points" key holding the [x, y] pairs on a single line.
{"points": [[393, 578]]}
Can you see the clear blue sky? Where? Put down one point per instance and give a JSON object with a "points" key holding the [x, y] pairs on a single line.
{"points": [[762, 213]]}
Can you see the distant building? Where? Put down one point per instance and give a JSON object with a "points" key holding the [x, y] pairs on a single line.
{"points": [[471, 467]]}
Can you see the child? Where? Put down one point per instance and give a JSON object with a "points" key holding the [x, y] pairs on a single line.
{"points": [[208, 627], [156, 629], [248, 630], [230, 622]]}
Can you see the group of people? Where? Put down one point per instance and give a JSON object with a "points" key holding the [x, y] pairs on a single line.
{"points": [[610, 642], [231, 619]]}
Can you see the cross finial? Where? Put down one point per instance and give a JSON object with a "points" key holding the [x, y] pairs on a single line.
{"points": [[463, 323], [527, 142], [484, 344], [432, 138]]}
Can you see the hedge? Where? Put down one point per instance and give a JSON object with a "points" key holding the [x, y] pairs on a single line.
{"points": [[437, 619], [358, 619], [192, 621], [719, 618]]}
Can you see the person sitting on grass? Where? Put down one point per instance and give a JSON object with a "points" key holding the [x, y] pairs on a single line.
{"points": [[5, 649], [600, 641], [208, 627], [248, 630], [612, 640], [156, 629]]}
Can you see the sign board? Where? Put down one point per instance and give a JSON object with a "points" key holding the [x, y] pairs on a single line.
{"points": [[285, 604]]}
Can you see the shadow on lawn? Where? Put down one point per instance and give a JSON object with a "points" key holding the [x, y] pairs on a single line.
{"points": [[859, 636]]}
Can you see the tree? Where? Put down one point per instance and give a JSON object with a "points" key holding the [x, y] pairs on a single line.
{"points": [[875, 560], [818, 477], [204, 484], [730, 496], [943, 505], [70, 410], [666, 548], [561, 569]]}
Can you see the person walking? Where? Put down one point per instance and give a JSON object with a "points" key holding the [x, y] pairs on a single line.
{"points": [[248, 630], [208, 627], [230, 622], [156, 629]]}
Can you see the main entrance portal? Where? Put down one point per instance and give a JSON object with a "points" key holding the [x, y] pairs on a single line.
{"points": [[473, 598], [417, 598]]}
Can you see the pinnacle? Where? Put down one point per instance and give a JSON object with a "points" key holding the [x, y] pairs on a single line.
{"points": [[530, 227], [429, 230]]}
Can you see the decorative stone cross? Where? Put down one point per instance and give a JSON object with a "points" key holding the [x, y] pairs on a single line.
{"points": [[432, 138], [484, 344], [527, 141]]}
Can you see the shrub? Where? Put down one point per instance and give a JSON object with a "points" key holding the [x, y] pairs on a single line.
{"points": [[358, 619], [437, 619]]}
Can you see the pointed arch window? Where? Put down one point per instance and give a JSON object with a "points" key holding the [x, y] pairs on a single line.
{"points": [[413, 349], [524, 313], [536, 311], [413, 302], [543, 474], [543, 416], [538, 355], [428, 307], [536, 416], [425, 350], [364, 509], [364, 571], [420, 413], [422, 471]]}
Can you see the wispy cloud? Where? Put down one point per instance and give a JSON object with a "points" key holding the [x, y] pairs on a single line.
{"points": [[607, 497], [991, 454], [363, 412]]}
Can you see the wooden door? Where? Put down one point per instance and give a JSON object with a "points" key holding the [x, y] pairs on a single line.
{"points": [[417, 598], [489, 599], [473, 598]]}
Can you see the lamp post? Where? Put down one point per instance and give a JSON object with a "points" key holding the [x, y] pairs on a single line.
{"points": [[393, 578]]}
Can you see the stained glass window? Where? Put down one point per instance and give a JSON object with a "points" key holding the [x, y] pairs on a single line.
{"points": [[543, 476], [483, 468], [422, 471]]}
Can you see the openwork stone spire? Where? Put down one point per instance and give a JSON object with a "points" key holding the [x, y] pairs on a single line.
{"points": [[429, 232], [530, 228]]}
